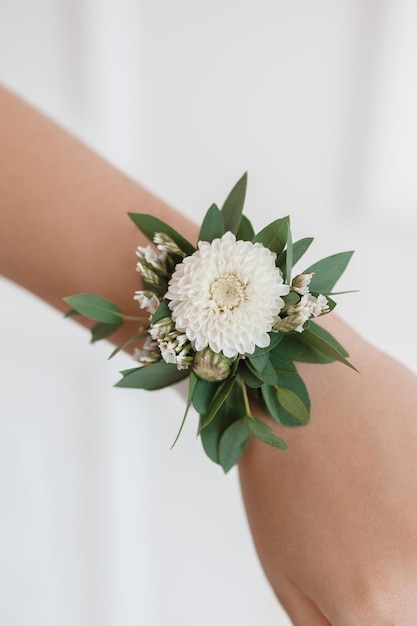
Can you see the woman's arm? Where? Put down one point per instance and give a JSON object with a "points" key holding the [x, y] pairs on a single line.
{"points": [[335, 519], [63, 214]]}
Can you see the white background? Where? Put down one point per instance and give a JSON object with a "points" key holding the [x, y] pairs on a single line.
{"points": [[100, 524]]}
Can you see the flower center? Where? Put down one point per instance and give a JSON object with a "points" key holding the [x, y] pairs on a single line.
{"points": [[227, 291]]}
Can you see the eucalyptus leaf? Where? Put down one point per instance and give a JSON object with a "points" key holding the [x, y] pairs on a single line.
{"points": [[223, 391], [299, 248], [326, 347], [327, 272], [294, 382], [324, 334], [263, 432], [275, 338], [258, 361], [191, 390], [203, 395], [293, 404], [280, 363], [102, 330], [154, 376], [126, 344], [149, 225], [248, 377], [212, 226], [245, 231], [162, 311], [270, 397], [232, 409], [233, 206], [233, 443], [289, 260], [95, 308], [295, 348], [274, 236]]}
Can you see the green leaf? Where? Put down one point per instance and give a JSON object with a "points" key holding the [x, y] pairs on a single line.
{"points": [[258, 361], [191, 390], [296, 349], [324, 334], [162, 311], [275, 338], [154, 376], [327, 272], [212, 226], [223, 391], [203, 395], [299, 248], [232, 409], [293, 404], [95, 308], [270, 397], [70, 313], [248, 377], [326, 347], [263, 432], [233, 443], [102, 330], [126, 344], [233, 206], [294, 382], [149, 225], [268, 375], [280, 364], [274, 236], [245, 231], [289, 261]]}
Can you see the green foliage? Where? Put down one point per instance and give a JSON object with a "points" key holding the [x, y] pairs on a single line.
{"points": [[149, 225], [212, 226], [102, 330], [265, 433], [162, 311], [223, 390], [203, 395], [71, 313], [233, 206], [293, 404], [191, 390], [126, 344], [325, 343], [289, 259], [274, 236], [232, 409], [299, 248], [233, 443], [250, 379], [245, 230], [95, 308], [154, 376], [328, 271]]}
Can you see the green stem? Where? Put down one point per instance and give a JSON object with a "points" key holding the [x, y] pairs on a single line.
{"points": [[133, 318], [246, 400]]}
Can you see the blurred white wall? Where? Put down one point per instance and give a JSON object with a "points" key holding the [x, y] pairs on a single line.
{"points": [[100, 524]]}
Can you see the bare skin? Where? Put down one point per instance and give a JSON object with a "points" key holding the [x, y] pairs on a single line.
{"points": [[334, 520]]}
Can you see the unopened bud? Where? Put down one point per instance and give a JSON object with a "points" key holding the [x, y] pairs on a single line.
{"points": [[211, 366]]}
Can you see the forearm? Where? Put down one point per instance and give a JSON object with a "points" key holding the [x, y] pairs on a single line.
{"points": [[63, 221]]}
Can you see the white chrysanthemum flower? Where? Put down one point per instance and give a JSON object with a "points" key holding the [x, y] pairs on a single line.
{"points": [[227, 295]]}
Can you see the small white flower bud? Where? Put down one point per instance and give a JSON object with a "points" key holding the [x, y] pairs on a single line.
{"points": [[301, 282]]}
